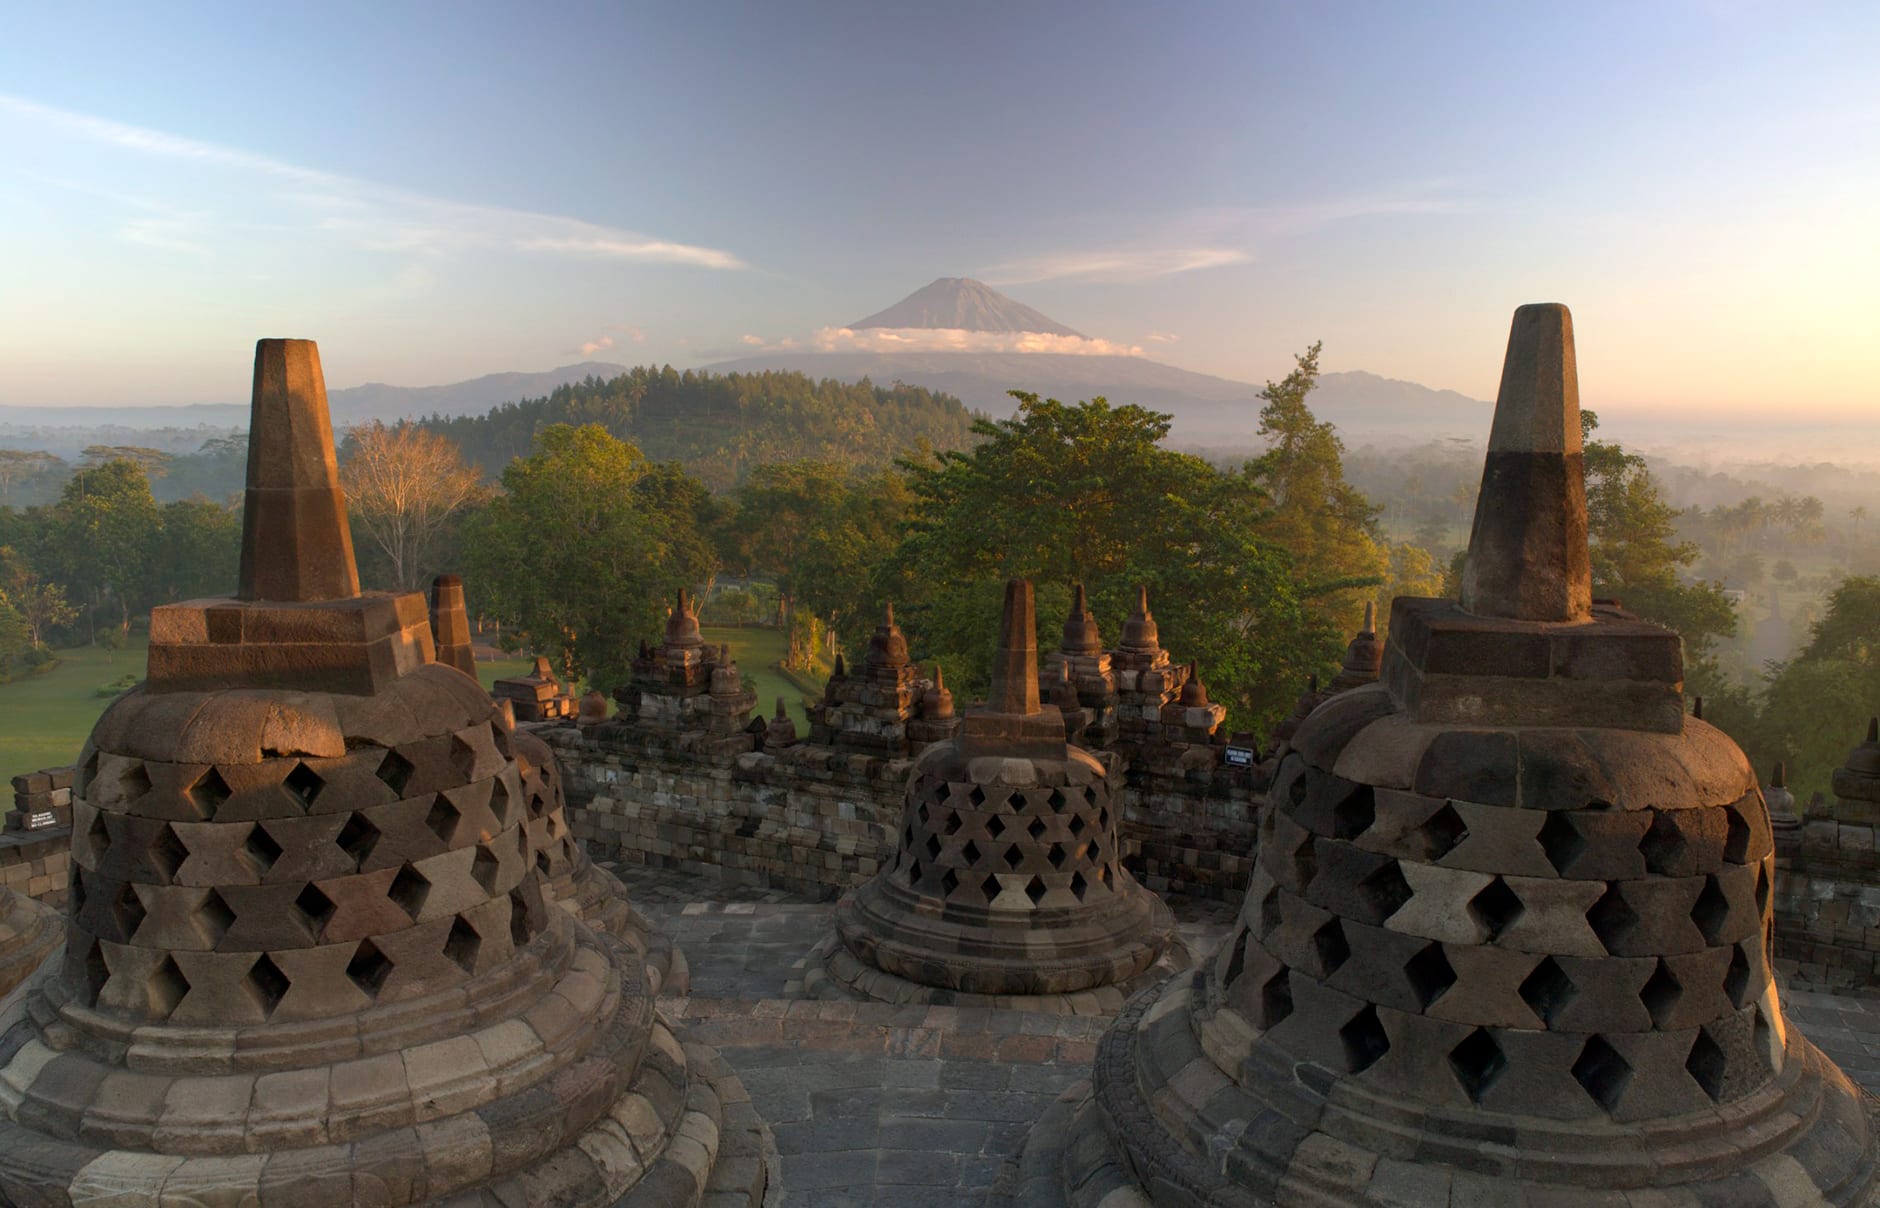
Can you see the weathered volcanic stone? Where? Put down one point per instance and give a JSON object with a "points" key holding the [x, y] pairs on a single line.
{"points": [[296, 542], [1527, 553], [1522, 949], [1008, 879], [299, 620], [312, 957]]}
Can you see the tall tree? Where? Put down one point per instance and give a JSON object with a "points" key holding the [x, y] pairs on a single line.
{"points": [[820, 529], [1637, 556], [403, 485], [1323, 521], [201, 550], [155, 463], [102, 537], [39, 606], [585, 548], [1063, 493]]}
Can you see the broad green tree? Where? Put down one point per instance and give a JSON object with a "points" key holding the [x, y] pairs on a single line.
{"points": [[37, 606], [102, 538], [201, 550], [1087, 493], [820, 529], [582, 553]]}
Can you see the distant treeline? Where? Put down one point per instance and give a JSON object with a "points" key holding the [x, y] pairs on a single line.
{"points": [[723, 426]]}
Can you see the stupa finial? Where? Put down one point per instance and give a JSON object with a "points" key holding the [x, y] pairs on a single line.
{"points": [[296, 541], [1527, 551], [1015, 667]]}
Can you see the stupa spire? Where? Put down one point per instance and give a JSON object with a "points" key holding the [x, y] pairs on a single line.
{"points": [[1527, 550], [296, 542], [1014, 687]]}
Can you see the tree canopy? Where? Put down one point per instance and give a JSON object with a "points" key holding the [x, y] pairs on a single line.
{"points": [[1324, 522], [1066, 493], [722, 427], [586, 546], [1638, 558]]}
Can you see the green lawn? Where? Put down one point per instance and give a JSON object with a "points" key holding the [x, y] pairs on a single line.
{"points": [[488, 673], [44, 718], [756, 650]]}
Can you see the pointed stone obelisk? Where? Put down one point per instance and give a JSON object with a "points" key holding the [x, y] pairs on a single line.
{"points": [[296, 541], [450, 625], [1507, 938], [1008, 880], [1014, 688], [1089, 702], [298, 619], [1527, 551]]}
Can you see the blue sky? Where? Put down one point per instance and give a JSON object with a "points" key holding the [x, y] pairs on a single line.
{"points": [[440, 191]]}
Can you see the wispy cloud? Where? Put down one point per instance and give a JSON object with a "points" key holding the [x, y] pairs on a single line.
{"points": [[1218, 237], [953, 339], [1164, 337], [1140, 265], [363, 213], [590, 347]]}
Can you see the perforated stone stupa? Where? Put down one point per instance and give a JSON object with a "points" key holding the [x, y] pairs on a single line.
{"points": [[1008, 878], [1508, 937], [310, 960]]}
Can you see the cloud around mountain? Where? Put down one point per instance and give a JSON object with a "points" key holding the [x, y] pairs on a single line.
{"points": [[958, 339]]}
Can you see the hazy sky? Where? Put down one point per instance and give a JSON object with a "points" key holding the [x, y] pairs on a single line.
{"points": [[440, 191]]}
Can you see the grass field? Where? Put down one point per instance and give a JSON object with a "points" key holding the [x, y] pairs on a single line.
{"points": [[755, 650], [44, 718]]}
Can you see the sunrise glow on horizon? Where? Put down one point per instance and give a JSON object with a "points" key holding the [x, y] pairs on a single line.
{"points": [[438, 193]]}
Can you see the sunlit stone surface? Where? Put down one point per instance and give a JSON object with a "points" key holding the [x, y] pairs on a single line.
{"points": [[311, 959], [1508, 938]]}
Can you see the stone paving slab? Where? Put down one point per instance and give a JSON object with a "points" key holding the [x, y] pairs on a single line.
{"points": [[909, 1106]]}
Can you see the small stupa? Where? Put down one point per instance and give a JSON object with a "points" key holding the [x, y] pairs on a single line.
{"points": [[1008, 879]]}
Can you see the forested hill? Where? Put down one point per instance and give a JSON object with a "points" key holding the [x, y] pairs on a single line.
{"points": [[721, 426]]}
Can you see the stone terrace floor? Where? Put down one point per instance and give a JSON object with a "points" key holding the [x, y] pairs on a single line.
{"points": [[916, 1106]]}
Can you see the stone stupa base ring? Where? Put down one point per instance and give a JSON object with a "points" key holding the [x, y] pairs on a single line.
{"points": [[832, 972], [978, 950], [1287, 1134], [672, 1122]]}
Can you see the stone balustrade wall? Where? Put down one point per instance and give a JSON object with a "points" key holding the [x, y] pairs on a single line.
{"points": [[1827, 903], [813, 819], [36, 858]]}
